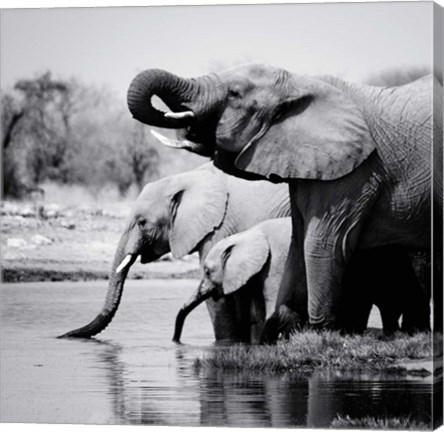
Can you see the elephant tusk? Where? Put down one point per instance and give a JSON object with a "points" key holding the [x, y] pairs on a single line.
{"points": [[180, 115], [179, 144], [125, 262], [197, 148]]}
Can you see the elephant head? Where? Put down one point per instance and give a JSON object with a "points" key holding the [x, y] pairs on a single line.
{"points": [[228, 267], [261, 120], [173, 214]]}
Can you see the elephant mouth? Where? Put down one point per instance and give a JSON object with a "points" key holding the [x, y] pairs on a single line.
{"points": [[148, 256], [202, 134], [197, 139]]}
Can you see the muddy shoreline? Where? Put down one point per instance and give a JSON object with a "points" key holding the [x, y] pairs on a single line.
{"points": [[35, 274], [53, 243]]}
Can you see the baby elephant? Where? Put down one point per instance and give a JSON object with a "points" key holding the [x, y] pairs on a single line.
{"points": [[253, 262]]}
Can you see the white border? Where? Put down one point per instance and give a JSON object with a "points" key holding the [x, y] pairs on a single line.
{"points": [[18, 4]]}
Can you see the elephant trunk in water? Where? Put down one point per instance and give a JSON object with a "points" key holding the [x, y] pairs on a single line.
{"points": [[195, 300], [120, 268]]}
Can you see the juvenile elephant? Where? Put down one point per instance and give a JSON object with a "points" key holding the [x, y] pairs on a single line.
{"points": [[184, 213], [252, 264], [357, 160]]}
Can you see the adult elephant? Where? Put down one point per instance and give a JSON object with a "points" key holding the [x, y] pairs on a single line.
{"points": [[184, 213], [357, 159]]}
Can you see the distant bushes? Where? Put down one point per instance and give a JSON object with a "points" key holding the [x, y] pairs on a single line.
{"points": [[66, 132]]}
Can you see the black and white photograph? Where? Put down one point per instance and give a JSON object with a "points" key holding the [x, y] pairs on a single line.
{"points": [[223, 215]]}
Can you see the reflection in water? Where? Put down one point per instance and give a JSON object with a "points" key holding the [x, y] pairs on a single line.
{"points": [[291, 400], [259, 400], [248, 400], [135, 374]]}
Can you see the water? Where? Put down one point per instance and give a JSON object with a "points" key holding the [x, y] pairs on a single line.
{"points": [[133, 373]]}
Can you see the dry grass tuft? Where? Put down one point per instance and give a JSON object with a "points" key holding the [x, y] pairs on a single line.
{"points": [[307, 350], [403, 423]]}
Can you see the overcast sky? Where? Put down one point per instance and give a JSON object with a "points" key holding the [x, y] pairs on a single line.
{"points": [[110, 45]]}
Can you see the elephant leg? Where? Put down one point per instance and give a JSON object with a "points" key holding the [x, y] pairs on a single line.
{"points": [[289, 315], [355, 303], [385, 271], [438, 293], [390, 319], [416, 310], [324, 280], [326, 259], [283, 321], [354, 318], [329, 245], [437, 254], [257, 316], [270, 332], [291, 304], [415, 280], [334, 215], [362, 318], [242, 307], [289, 320], [223, 317], [438, 300], [416, 321]]}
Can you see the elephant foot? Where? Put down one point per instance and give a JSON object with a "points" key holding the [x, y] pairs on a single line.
{"points": [[270, 332], [348, 331], [390, 331], [389, 325], [411, 330], [289, 320], [332, 327], [416, 324], [325, 324], [282, 323]]}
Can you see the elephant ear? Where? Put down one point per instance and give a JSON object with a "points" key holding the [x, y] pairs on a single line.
{"points": [[319, 133], [197, 208], [243, 259]]}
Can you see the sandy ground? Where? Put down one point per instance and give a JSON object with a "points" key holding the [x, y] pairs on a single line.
{"points": [[49, 242]]}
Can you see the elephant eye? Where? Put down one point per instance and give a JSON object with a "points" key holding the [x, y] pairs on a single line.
{"points": [[207, 271], [234, 93], [141, 222]]}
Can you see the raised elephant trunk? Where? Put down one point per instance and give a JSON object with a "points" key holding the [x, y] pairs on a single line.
{"points": [[190, 100], [170, 88], [195, 300], [113, 296]]}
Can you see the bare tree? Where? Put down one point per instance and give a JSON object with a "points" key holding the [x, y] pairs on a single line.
{"points": [[42, 130], [142, 155], [10, 117], [12, 113]]}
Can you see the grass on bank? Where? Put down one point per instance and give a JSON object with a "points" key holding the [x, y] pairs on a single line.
{"points": [[403, 423], [308, 350]]}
